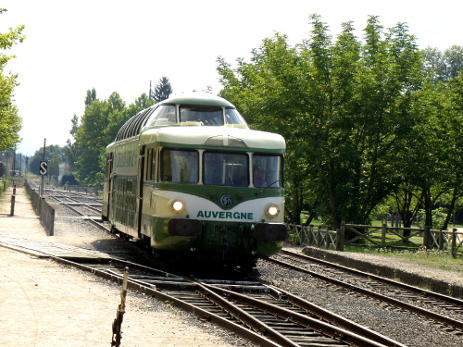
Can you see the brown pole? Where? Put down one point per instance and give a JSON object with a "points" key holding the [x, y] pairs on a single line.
{"points": [[117, 325]]}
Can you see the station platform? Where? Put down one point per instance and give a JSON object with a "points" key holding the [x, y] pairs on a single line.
{"points": [[46, 304]]}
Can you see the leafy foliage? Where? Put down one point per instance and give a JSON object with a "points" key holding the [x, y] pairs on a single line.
{"points": [[371, 124], [71, 149], [10, 122], [344, 108], [162, 90], [444, 66], [98, 127], [54, 154]]}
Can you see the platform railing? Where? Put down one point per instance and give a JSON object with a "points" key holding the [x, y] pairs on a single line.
{"points": [[378, 237], [45, 211]]}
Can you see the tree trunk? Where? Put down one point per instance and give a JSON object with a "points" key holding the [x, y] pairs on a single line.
{"points": [[451, 209]]}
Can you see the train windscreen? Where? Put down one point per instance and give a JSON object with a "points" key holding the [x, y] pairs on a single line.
{"points": [[179, 166], [266, 171], [229, 169], [232, 116]]}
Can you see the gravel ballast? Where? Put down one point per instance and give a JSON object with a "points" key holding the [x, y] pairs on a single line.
{"points": [[142, 324]]}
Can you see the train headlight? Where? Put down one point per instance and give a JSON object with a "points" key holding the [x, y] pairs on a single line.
{"points": [[177, 206], [272, 210]]}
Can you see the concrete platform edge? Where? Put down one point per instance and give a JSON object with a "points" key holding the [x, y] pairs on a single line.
{"points": [[416, 280]]}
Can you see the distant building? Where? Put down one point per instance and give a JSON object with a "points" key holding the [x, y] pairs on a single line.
{"points": [[63, 170]]}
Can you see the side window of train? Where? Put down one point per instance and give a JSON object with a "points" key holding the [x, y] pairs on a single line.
{"points": [[150, 164], [179, 166]]}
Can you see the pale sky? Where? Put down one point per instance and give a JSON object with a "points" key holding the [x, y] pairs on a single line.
{"points": [[114, 45]]}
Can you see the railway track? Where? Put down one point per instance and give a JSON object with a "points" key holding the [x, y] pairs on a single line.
{"points": [[282, 296], [445, 310], [263, 314], [89, 208]]}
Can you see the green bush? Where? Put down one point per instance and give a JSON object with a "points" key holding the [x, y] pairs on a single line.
{"points": [[3, 185]]}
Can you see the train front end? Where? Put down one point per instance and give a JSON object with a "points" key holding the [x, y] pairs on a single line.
{"points": [[188, 178], [219, 195]]}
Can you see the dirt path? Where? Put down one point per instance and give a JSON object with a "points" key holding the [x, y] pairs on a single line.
{"points": [[43, 303]]}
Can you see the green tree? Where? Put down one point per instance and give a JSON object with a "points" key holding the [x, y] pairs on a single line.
{"points": [[270, 92], [423, 176], [97, 129], [91, 97], [454, 59], [54, 155], [71, 146], [91, 141], [117, 116], [444, 66], [142, 102], [162, 90], [343, 107], [10, 122], [431, 166], [451, 120]]}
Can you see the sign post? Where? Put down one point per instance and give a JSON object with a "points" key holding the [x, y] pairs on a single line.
{"points": [[43, 168]]}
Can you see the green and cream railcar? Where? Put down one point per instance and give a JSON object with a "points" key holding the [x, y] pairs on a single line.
{"points": [[188, 176]]}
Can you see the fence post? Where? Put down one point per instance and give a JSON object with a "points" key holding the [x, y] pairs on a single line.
{"points": [[310, 236], [454, 242], [340, 238], [52, 222], [383, 235], [327, 238], [302, 237], [441, 240], [319, 236]]}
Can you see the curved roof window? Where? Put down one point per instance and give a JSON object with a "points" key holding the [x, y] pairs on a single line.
{"points": [[162, 115], [133, 125]]}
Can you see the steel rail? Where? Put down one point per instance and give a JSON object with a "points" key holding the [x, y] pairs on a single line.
{"points": [[253, 329], [242, 331], [418, 310], [87, 218], [244, 317], [146, 279], [421, 291], [355, 334], [336, 319]]}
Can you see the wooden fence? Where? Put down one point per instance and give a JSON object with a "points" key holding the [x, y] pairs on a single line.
{"points": [[378, 237], [95, 190], [316, 236]]}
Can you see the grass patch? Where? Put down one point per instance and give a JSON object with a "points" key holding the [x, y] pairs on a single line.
{"points": [[432, 259]]}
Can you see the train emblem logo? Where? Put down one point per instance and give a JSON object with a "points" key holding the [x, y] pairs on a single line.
{"points": [[226, 200]]}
